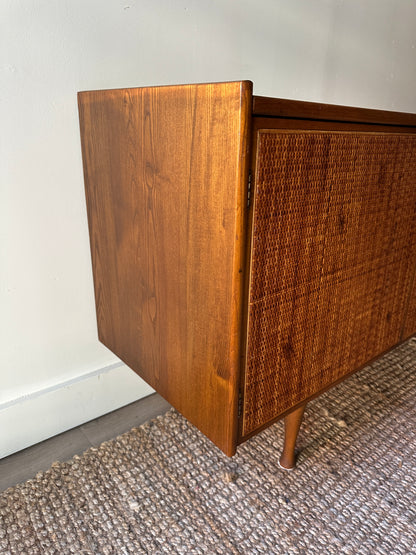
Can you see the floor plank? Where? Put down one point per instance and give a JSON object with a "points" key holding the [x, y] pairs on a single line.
{"points": [[25, 464]]}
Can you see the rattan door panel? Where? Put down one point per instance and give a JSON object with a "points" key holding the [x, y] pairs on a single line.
{"points": [[332, 261]]}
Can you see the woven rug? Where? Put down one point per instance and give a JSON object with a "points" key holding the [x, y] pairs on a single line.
{"points": [[163, 488]]}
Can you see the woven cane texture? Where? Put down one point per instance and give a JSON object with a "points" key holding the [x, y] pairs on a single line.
{"points": [[164, 489], [333, 260]]}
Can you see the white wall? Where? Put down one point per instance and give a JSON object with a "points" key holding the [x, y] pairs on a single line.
{"points": [[53, 372]]}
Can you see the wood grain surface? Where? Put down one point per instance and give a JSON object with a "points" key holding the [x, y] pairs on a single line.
{"points": [[166, 183], [298, 109]]}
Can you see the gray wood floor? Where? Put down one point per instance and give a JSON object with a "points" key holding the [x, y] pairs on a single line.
{"points": [[25, 464]]}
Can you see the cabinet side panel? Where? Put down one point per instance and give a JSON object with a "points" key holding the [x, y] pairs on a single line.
{"points": [[333, 257], [164, 174]]}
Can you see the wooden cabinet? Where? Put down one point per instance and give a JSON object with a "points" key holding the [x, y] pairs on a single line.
{"points": [[248, 252]]}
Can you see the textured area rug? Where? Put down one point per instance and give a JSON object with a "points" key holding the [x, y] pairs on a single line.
{"points": [[163, 488]]}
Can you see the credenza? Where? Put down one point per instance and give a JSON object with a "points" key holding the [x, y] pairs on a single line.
{"points": [[248, 252]]}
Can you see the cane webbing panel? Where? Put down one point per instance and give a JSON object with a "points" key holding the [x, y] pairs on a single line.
{"points": [[333, 259]]}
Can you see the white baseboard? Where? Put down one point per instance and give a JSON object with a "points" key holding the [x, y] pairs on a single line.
{"points": [[42, 414]]}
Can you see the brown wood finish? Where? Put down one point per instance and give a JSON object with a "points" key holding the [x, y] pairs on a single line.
{"points": [[409, 323], [172, 243], [293, 422], [166, 183], [297, 109], [260, 122]]}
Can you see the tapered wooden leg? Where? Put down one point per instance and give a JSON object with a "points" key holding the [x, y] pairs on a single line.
{"points": [[292, 426]]}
